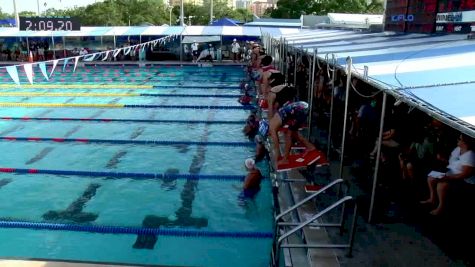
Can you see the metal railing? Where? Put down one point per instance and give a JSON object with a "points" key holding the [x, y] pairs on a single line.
{"points": [[279, 238]]}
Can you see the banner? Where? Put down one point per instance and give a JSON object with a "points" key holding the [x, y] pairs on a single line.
{"points": [[12, 70], [126, 51], [89, 57], [66, 60], [106, 56], [42, 66], [76, 59], [29, 72], [55, 62], [116, 52]]}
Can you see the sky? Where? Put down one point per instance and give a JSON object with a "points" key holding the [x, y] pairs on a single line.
{"points": [[31, 5]]}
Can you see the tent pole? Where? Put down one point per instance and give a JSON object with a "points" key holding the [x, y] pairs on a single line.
{"points": [[347, 95], [332, 84], [181, 48], [312, 84], [378, 154], [296, 55], [52, 46], [309, 81]]}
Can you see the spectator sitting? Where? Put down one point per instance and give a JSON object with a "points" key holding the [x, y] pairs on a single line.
{"points": [[460, 172], [83, 52], [416, 157]]}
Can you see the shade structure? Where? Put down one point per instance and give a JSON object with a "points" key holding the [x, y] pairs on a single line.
{"points": [[432, 72], [153, 31]]}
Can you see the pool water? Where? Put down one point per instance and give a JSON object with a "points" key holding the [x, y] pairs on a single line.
{"points": [[130, 145]]}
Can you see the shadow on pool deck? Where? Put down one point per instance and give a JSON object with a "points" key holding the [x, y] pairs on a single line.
{"points": [[400, 235]]}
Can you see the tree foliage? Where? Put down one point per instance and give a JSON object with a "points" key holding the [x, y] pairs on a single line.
{"points": [[140, 12], [295, 8]]}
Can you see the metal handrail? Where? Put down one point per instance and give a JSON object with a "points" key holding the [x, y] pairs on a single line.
{"points": [[303, 201], [277, 244], [313, 218]]}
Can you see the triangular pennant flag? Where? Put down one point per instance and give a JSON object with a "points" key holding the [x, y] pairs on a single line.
{"points": [[42, 66], [66, 60], [13, 74], [116, 52], [127, 51], [76, 59], [106, 56], [55, 62], [89, 57], [29, 72]]}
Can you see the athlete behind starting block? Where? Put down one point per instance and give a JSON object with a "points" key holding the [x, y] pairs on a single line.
{"points": [[293, 116]]}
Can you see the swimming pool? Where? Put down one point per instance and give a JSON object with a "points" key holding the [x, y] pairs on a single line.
{"points": [[110, 152]]}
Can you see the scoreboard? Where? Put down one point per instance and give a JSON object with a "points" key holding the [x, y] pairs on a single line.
{"points": [[411, 15], [428, 16], [457, 16]]}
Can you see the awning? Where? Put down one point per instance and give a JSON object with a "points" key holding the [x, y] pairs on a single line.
{"points": [[200, 39], [432, 72], [155, 31]]}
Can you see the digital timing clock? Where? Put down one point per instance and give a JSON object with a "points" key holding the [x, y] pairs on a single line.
{"points": [[49, 24]]}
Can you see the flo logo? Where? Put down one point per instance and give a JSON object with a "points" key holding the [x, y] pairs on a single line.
{"points": [[402, 17]]}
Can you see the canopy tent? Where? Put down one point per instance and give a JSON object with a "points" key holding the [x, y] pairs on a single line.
{"points": [[225, 22], [152, 31], [420, 69], [9, 22], [200, 39]]}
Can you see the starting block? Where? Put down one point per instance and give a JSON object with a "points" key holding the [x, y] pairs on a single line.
{"points": [[301, 160]]}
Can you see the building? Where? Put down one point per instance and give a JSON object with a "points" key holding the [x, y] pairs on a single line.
{"points": [[259, 7], [242, 4], [178, 2]]}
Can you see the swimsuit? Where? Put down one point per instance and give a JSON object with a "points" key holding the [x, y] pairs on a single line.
{"points": [[294, 115]]}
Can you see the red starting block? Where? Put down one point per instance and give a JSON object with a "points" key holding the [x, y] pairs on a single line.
{"points": [[301, 160]]}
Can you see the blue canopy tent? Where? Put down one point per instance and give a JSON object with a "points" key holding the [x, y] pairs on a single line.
{"points": [[8, 22], [430, 72], [226, 22]]}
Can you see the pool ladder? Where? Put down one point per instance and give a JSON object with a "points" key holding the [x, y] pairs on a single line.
{"points": [[281, 235]]}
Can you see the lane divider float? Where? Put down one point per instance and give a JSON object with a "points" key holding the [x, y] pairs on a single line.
{"points": [[116, 141]]}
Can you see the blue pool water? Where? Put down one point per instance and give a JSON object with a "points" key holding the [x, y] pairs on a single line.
{"points": [[207, 206]]}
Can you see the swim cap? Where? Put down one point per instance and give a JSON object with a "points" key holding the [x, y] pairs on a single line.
{"points": [[250, 163], [263, 127]]}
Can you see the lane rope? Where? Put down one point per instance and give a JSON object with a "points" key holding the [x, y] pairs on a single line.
{"points": [[116, 141], [128, 175], [105, 229], [30, 94], [86, 105], [78, 86], [122, 120]]}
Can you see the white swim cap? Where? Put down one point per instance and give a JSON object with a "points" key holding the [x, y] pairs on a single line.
{"points": [[250, 163]]}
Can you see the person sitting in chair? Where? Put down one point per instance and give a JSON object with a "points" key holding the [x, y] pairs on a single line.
{"points": [[460, 171]]}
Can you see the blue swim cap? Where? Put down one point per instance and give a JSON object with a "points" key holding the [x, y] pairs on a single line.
{"points": [[263, 127]]}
